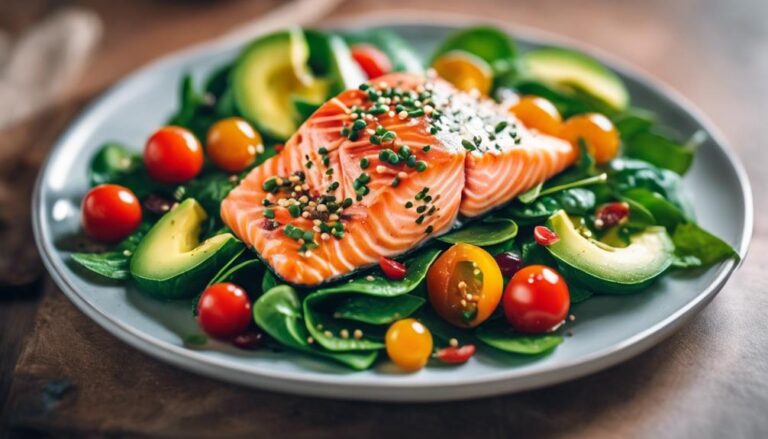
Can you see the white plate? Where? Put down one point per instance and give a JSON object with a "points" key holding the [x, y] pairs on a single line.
{"points": [[607, 330]]}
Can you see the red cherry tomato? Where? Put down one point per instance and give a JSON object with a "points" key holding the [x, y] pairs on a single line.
{"points": [[224, 310], [110, 213], [536, 299], [456, 355], [173, 155], [373, 61], [611, 214], [544, 236], [392, 269]]}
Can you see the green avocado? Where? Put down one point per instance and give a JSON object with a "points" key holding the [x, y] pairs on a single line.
{"points": [[568, 69], [269, 74], [607, 269], [171, 262]]}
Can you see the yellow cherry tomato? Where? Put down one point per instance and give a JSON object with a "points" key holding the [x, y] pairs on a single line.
{"points": [[465, 285], [597, 131], [465, 71], [409, 344], [538, 113], [233, 144]]}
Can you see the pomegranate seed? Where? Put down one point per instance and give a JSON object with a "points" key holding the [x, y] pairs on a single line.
{"points": [[250, 340], [509, 263], [611, 214], [392, 269], [456, 355], [544, 236]]}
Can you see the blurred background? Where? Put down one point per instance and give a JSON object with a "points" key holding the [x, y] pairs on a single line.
{"points": [[57, 55]]}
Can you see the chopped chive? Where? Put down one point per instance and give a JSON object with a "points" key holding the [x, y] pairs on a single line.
{"points": [[411, 161], [388, 136], [269, 184], [429, 230], [376, 140], [359, 124], [416, 113], [420, 219], [469, 146], [408, 205], [364, 86], [322, 150], [421, 209], [294, 210], [421, 166], [346, 203], [426, 148], [269, 213], [500, 126], [395, 182], [364, 163], [404, 152]]}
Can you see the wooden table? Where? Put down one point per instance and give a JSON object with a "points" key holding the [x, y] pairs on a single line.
{"points": [[62, 374]]}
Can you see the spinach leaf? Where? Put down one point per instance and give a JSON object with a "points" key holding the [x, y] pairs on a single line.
{"points": [[498, 334], [533, 253], [443, 331], [633, 122], [113, 264], [304, 108], [537, 191], [626, 174], [662, 211], [209, 190], [659, 150], [487, 43], [577, 201], [377, 310], [320, 317], [695, 247], [490, 231], [244, 272], [278, 313], [269, 281], [116, 164], [399, 51], [329, 57]]}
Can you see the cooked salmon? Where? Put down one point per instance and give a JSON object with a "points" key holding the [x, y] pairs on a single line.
{"points": [[379, 170]]}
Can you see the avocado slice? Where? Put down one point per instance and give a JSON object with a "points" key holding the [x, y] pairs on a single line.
{"points": [[171, 262], [610, 269], [269, 73], [569, 69]]}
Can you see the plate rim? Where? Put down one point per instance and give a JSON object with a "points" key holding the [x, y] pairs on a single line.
{"points": [[441, 390]]}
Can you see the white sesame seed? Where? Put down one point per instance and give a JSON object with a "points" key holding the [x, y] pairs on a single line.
{"points": [[417, 104], [317, 222], [463, 302], [402, 175], [305, 214], [325, 236], [353, 116], [300, 241], [470, 296], [344, 333], [381, 169], [382, 84], [303, 199], [126, 252], [402, 115], [310, 340], [391, 113], [316, 229], [328, 334], [282, 202], [293, 178], [453, 342], [297, 188], [260, 148], [279, 181], [322, 208], [369, 117], [369, 278], [381, 100], [370, 131], [333, 217], [305, 186], [357, 334]]}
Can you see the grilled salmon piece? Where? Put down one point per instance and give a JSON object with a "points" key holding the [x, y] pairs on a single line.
{"points": [[378, 171]]}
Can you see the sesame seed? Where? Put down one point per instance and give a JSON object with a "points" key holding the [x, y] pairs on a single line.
{"points": [[328, 333], [310, 340], [463, 303], [325, 236], [126, 252], [402, 115], [353, 116], [305, 214], [279, 181], [453, 342], [357, 334], [402, 175], [571, 317], [333, 217], [344, 333], [369, 278], [381, 169], [322, 208], [391, 113]]}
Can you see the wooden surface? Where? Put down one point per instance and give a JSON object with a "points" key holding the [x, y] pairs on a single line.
{"points": [[61, 374]]}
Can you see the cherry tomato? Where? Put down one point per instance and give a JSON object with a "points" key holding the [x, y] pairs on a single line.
{"points": [[373, 61], [392, 269], [110, 213], [536, 299], [598, 132], [456, 354], [409, 344], [465, 71], [224, 310], [173, 155], [538, 113], [544, 236], [464, 285], [233, 144]]}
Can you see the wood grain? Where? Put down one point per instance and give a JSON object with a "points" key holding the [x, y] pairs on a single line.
{"points": [[708, 380]]}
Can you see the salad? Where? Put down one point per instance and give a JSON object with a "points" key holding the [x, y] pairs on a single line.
{"points": [[341, 196]]}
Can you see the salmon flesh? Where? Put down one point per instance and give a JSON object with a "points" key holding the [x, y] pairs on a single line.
{"points": [[379, 170]]}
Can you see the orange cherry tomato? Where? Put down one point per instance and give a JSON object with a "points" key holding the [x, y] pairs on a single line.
{"points": [[373, 61], [538, 113], [464, 285], [598, 132], [110, 213], [233, 144], [408, 344], [173, 155], [224, 310], [465, 71], [536, 299]]}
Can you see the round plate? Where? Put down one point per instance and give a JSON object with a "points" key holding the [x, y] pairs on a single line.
{"points": [[607, 329]]}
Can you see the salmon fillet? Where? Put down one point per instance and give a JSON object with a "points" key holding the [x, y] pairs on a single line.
{"points": [[379, 170]]}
